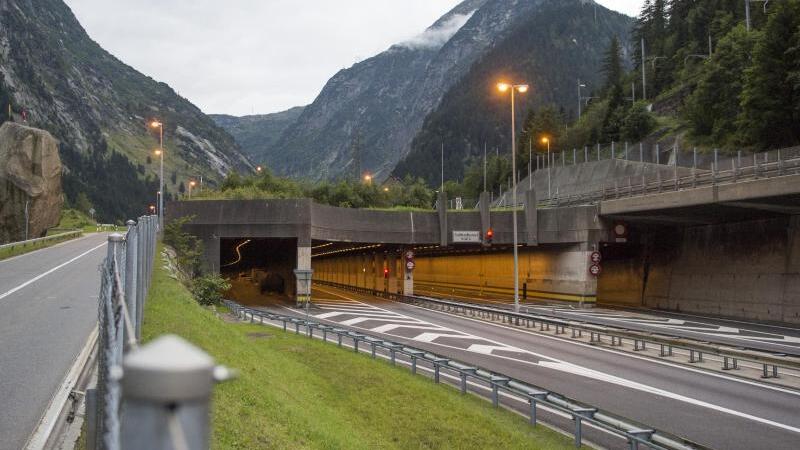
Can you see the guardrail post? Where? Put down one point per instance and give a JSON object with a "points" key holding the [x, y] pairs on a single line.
{"points": [[578, 415], [166, 392], [91, 419], [534, 397]]}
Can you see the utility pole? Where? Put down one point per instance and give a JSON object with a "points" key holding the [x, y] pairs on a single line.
{"points": [[644, 73], [580, 98], [747, 13], [442, 166], [484, 166], [27, 218]]}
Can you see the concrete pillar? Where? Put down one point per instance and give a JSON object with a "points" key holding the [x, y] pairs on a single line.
{"points": [[377, 272], [303, 263], [361, 263], [391, 261], [486, 220], [408, 277], [531, 218], [442, 212]]}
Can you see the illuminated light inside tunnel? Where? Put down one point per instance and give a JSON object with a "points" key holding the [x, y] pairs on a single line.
{"points": [[238, 254]]}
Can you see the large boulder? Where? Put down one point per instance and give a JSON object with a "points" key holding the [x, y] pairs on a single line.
{"points": [[30, 172]]}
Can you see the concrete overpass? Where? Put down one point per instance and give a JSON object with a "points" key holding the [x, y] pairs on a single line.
{"points": [[723, 243]]}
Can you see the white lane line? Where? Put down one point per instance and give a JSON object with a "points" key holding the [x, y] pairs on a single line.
{"points": [[565, 366], [393, 326], [376, 319], [39, 277], [627, 355], [47, 423]]}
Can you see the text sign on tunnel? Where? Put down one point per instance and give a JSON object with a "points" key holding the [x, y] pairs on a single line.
{"points": [[466, 237]]}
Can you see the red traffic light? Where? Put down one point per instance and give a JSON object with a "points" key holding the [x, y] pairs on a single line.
{"points": [[385, 272], [489, 235]]}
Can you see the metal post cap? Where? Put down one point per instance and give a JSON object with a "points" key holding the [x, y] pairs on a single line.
{"points": [[130, 222], [116, 237], [168, 370]]}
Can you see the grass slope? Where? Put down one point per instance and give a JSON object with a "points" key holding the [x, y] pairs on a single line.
{"points": [[294, 392]]}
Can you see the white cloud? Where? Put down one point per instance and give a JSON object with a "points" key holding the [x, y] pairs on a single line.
{"points": [[438, 36]]}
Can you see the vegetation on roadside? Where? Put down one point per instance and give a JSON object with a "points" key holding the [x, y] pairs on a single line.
{"points": [[17, 250], [188, 247], [295, 392], [409, 192]]}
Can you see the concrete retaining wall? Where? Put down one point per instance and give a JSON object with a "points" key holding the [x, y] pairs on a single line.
{"points": [[747, 270]]}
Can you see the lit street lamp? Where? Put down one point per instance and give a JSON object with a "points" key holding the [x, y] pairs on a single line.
{"points": [[259, 169], [521, 88], [160, 153], [191, 185], [546, 140], [368, 179]]}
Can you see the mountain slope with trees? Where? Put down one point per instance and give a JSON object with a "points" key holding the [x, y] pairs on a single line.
{"points": [[258, 134], [562, 43], [56, 77]]}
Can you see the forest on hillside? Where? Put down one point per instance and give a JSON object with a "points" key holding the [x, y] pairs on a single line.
{"points": [[710, 81]]}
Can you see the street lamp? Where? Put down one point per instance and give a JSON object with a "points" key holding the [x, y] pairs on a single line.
{"points": [[514, 88], [160, 153], [191, 185], [580, 98], [368, 179], [546, 140], [152, 209], [259, 169]]}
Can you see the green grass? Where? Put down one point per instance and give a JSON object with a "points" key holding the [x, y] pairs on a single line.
{"points": [[294, 392], [6, 253]]}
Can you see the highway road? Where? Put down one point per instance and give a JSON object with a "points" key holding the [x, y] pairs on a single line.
{"points": [[765, 337], [713, 409], [48, 308]]}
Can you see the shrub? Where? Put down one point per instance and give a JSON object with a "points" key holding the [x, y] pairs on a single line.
{"points": [[208, 289], [187, 246]]}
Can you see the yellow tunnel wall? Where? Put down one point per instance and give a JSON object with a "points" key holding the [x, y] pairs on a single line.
{"points": [[555, 273]]}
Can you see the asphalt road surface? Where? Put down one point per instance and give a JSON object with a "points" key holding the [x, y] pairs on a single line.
{"points": [[712, 409], [48, 308], [765, 337]]}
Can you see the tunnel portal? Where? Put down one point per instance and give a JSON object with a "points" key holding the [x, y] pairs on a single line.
{"points": [[258, 268]]}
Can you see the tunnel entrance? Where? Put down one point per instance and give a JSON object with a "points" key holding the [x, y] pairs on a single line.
{"points": [[260, 270]]}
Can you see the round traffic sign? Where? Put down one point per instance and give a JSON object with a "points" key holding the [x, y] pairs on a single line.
{"points": [[620, 229], [410, 265], [595, 270], [596, 257], [409, 255]]}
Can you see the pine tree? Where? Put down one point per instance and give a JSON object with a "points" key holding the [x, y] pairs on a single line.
{"points": [[614, 92], [714, 105], [769, 98]]}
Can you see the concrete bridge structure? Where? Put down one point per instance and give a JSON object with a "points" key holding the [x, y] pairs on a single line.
{"points": [[722, 244]]}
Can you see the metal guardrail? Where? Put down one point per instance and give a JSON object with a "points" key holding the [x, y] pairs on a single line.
{"points": [[761, 165], [730, 356], [55, 237], [125, 281], [151, 397], [634, 433]]}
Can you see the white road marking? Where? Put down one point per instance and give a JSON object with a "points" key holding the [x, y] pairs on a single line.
{"points": [[39, 277], [564, 366]]}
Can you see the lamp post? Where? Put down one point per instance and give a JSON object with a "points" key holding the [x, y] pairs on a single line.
{"points": [[160, 153], [191, 185], [580, 98], [368, 179], [546, 140], [521, 88]]}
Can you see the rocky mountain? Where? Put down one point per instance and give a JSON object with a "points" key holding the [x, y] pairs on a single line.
{"points": [[550, 49], [99, 109], [367, 116], [257, 134]]}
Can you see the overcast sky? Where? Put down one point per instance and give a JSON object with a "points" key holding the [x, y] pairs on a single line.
{"points": [[257, 56]]}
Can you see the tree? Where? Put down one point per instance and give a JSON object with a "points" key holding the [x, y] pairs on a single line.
{"points": [[637, 123], [82, 203], [614, 92], [769, 116]]}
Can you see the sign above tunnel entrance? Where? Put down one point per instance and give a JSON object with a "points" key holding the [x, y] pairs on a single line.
{"points": [[466, 237]]}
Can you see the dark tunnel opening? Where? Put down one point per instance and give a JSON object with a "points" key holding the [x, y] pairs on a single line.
{"points": [[259, 269]]}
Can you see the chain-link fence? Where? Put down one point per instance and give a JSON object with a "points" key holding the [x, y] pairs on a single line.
{"points": [[125, 280]]}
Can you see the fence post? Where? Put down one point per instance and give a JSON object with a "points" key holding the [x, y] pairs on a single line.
{"points": [[91, 419], [131, 257], [598, 151], [166, 392], [641, 152], [585, 153]]}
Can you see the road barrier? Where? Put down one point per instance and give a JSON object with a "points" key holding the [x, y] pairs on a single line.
{"points": [[54, 238], [730, 357], [775, 163], [154, 397], [485, 382]]}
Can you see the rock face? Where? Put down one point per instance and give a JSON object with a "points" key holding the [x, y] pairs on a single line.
{"points": [[30, 171]]}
